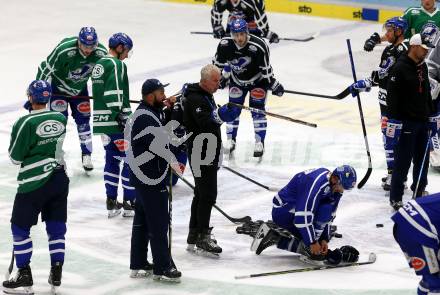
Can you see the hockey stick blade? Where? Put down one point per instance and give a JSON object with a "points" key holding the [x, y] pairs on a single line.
{"points": [[307, 39], [10, 267], [371, 259], [339, 96]]}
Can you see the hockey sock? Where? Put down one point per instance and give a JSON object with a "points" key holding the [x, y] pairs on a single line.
{"points": [[22, 245], [56, 231]]}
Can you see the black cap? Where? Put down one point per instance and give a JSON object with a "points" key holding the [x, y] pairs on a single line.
{"points": [[151, 85]]}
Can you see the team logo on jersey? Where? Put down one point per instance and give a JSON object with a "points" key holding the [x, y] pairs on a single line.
{"points": [[121, 144], [327, 190], [224, 42], [84, 108], [80, 73], [99, 53], [415, 11], [417, 263], [71, 53], [50, 128], [239, 65], [235, 92], [258, 93], [58, 105], [253, 48], [98, 71]]}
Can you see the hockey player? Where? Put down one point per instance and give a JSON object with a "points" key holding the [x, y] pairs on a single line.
{"points": [[416, 228], [306, 207], [416, 17], [68, 69], [43, 186], [395, 30], [252, 11], [244, 59], [111, 108]]}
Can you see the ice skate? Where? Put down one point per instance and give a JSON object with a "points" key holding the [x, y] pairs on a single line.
{"points": [[20, 284]]}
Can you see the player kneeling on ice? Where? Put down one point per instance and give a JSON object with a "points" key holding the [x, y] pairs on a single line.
{"points": [[43, 186], [416, 228], [304, 211]]}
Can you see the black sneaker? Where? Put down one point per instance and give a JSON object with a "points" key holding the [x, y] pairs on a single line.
{"points": [[143, 272], [169, 275], [20, 284], [396, 205], [55, 275]]}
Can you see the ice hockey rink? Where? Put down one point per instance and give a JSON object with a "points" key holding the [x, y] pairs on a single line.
{"points": [[97, 248]]}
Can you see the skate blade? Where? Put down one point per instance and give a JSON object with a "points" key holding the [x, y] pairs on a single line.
{"points": [[54, 290], [20, 290], [201, 252], [128, 213], [113, 213], [160, 278], [140, 274], [307, 260]]}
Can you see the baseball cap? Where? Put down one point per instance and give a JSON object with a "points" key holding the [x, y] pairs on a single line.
{"points": [[425, 41], [151, 85]]}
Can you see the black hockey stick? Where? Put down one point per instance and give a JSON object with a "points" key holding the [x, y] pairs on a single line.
{"points": [[422, 166], [274, 115], [339, 96], [371, 259], [249, 179], [170, 210], [306, 39], [232, 219], [10, 267], [361, 113]]}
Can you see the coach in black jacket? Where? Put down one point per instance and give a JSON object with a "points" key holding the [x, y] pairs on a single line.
{"points": [[409, 105], [202, 120], [151, 217]]}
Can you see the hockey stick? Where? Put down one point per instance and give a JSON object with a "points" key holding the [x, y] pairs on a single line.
{"points": [[273, 115], [10, 267], [170, 210], [250, 179], [285, 39], [422, 166], [371, 260], [91, 97], [339, 96], [364, 130], [232, 219]]}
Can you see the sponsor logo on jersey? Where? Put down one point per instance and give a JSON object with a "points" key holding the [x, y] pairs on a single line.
{"points": [[99, 53], [199, 110], [253, 48], [327, 190], [101, 118], [415, 11], [417, 263], [79, 74], [235, 92], [58, 105], [49, 167], [50, 128], [258, 93], [239, 65], [84, 107], [384, 121], [98, 71], [121, 144], [71, 53]]}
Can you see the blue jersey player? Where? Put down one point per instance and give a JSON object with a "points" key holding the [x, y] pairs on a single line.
{"points": [[416, 228], [306, 207]]}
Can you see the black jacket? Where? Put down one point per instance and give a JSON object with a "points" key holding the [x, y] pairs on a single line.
{"points": [[157, 166], [198, 119], [408, 91]]}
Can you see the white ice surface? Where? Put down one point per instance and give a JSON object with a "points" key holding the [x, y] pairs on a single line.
{"points": [[97, 254]]}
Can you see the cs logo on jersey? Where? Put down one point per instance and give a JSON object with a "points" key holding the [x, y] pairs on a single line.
{"points": [[239, 65], [50, 128], [98, 71]]}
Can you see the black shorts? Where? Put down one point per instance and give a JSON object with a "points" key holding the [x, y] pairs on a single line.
{"points": [[50, 200]]}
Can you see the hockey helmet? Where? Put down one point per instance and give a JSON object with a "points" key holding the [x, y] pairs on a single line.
{"points": [[40, 91], [88, 37], [347, 176]]}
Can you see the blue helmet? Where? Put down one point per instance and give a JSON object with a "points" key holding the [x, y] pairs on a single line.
{"points": [[347, 176], [397, 23], [40, 91], [88, 37], [120, 39], [239, 25]]}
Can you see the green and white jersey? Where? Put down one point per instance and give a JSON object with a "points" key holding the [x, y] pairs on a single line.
{"points": [[67, 69], [417, 17], [36, 145], [110, 94]]}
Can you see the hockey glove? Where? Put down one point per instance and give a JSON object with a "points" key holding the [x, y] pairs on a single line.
{"points": [[360, 86], [273, 37], [28, 106], [277, 88], [393, 131], [334, 257], [371, 42], [349, 254], [218, 32], [225, 113], [434, 125], [122, 120]]}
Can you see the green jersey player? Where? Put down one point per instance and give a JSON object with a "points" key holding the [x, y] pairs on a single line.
{"points": [[68, 69]]}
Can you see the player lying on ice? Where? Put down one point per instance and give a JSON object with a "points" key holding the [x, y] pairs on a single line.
{"points": [[303, 211]]}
